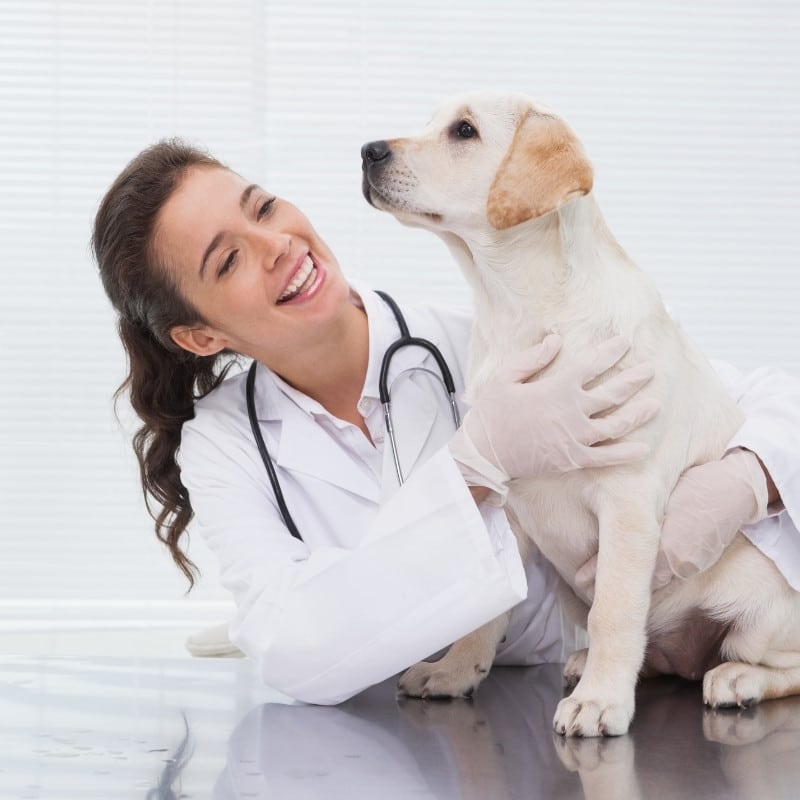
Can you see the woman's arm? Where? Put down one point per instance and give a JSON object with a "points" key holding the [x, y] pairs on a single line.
{"points": [[479, 493], [713, 501], [324, 624], [770, 401], [755, 487], [773, 496]]}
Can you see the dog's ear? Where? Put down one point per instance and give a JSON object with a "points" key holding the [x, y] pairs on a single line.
{"points": [[544, 168]]}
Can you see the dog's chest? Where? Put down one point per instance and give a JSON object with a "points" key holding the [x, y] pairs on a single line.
{"points": [[696, 420], [553, 513]]}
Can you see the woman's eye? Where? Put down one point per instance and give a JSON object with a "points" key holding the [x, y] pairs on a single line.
{"points": [[228, 263], [465, 131], [265, 208]]}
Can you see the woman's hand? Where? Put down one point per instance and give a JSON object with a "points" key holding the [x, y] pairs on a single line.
{"points": [[708, 506], [517, 429]]}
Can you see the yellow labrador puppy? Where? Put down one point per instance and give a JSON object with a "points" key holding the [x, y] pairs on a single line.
{"points": [[506, 184]]}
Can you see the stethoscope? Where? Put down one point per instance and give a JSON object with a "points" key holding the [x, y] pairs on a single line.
{"points": [[405, 340]]}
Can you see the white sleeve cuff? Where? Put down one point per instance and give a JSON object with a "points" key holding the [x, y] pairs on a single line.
{"points": [[477, 471]]}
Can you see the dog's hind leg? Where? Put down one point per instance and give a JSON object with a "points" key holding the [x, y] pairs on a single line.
{"points": [[737, 684], [462, 668], [573, 669], [763, 647]]}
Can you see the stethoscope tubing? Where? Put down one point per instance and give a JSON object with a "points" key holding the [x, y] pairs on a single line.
{"points": [[264, 453]]}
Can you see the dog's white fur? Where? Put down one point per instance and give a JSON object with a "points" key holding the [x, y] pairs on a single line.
{"points": [[514, 205]]}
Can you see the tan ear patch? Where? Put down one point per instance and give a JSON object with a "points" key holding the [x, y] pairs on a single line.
{"points": [[543, 169]]}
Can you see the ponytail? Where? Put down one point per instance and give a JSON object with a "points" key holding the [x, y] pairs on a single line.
{"points": [[163, 380]]}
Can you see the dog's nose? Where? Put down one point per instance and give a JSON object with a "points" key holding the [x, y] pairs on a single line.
{"points": [[375, 151]]}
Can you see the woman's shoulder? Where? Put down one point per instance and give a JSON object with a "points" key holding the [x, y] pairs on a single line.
{"points": [[445, 314], [436, 317], [442, 323]]}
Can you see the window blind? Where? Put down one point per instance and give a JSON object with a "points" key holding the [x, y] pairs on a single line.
{"points": [[689, 112]]}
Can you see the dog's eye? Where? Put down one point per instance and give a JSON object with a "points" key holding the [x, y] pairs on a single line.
{"points": [[463, 130]]}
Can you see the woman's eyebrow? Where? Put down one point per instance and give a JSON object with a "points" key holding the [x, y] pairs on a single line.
{"points": [[209, 250], [218, 238], [246, 195]]}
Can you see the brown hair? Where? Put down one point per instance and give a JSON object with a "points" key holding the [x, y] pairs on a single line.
{"points": [[163, 379]]}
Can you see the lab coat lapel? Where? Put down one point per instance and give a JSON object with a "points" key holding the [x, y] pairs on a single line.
{"points": [[304, 446]]}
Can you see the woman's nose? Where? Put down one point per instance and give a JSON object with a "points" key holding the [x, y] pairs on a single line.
{"points": [[272, 245]]}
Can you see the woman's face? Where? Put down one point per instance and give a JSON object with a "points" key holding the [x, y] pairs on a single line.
{"points": [[251, 264]]}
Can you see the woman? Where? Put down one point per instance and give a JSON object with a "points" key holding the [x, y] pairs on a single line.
{"points": [[200, 264]]}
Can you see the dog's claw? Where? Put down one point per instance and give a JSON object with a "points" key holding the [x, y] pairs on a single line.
{"points": [[734, 685], [593, 717], [433, 681]]}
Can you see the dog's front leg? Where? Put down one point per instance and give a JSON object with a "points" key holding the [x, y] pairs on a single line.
{"points": [[461, 669], [602, 703]]}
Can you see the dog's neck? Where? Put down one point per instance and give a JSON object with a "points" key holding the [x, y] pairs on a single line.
{"points": [[526, 279]]}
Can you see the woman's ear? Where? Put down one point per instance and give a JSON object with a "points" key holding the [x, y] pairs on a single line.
{"points": [[200, 340]]}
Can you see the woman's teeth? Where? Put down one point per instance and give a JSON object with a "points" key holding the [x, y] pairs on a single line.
{"points": [[301, 282]]}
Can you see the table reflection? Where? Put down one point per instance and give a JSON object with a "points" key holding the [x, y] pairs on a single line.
{"points": [[500, 746]]}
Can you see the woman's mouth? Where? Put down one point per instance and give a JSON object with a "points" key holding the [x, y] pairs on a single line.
{"points": [[304, 279]]}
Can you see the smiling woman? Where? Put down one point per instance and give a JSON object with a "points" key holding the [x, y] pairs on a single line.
{"points": [[267, 285], [186, 305]]}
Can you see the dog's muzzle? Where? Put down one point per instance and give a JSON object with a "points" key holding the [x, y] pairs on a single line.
{"points": [[374, 157]]}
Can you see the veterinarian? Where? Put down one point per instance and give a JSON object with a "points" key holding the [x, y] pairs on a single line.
{"points": [[199, 265]]}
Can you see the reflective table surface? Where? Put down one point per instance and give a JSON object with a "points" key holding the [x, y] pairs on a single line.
{"points": [[150, 728]]}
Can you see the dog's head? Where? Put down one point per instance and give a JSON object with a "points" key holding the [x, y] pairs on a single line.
{"points": [[484, 159]]}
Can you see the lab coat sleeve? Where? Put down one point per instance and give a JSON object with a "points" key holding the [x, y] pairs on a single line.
{"points": [[770, 401], [326, 623]]}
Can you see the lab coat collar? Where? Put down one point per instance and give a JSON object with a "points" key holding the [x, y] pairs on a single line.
{"points": [[310, 449]]}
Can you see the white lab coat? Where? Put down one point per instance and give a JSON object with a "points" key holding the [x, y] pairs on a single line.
{"points": [[385, 575]]}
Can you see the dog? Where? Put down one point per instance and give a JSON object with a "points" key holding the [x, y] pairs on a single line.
{"points": [[506, 184]]}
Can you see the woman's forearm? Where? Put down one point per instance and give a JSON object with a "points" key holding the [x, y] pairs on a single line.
{"points": [[479, 493]]}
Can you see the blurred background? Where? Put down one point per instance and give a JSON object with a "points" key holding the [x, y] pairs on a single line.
{"points": [[689, 111]]}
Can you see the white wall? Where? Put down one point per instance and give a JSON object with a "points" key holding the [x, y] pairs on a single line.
{"points": [[689, 111]]}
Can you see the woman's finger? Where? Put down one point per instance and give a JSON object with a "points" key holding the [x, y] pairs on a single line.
{"points": [[603, 358], [528, 362], [625, 419], [618, 388], [611, 455]]}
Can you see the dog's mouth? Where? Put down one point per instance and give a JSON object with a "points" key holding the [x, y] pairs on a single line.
{"points": [[369, 191], [372, 187], [399, 207]]}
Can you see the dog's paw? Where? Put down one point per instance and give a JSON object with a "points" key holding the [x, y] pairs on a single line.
{"points": [[441, 680], [590, 755], [573, 669], [585, 714], [734, 684], [734, 726], [451, 718]]}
